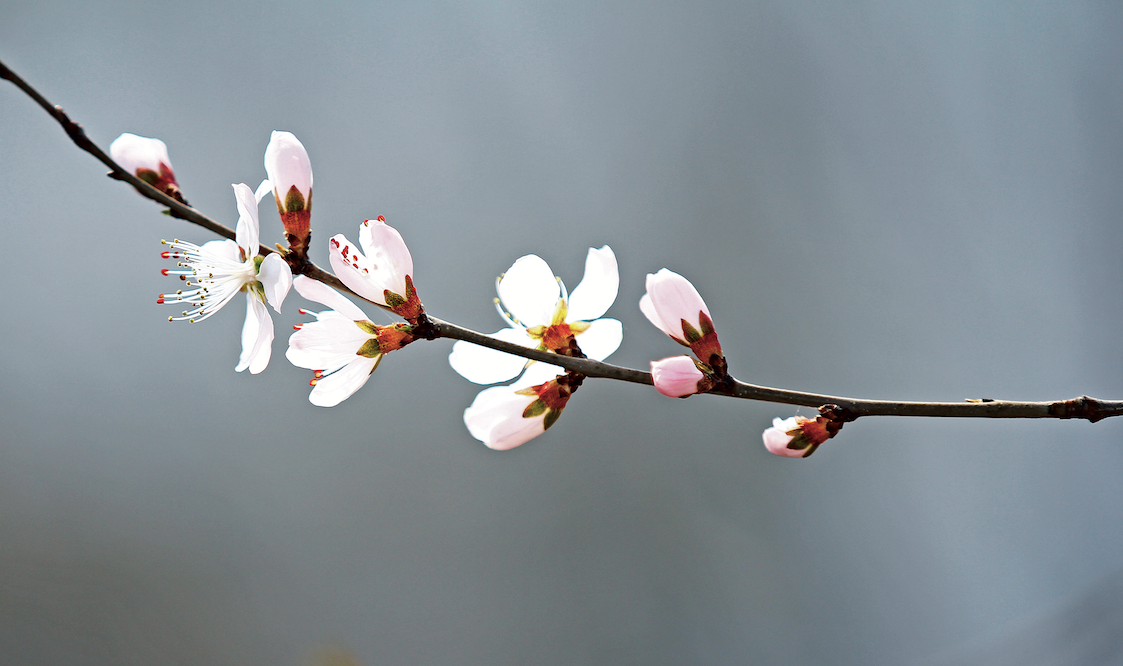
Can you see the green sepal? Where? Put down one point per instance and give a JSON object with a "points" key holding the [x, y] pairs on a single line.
{"points": [[537, 332], [294, 200], [368, 327], [706, 323], [370, 349], [690, 333], [393, 300], [578, 327], [551, 417], [530, 390], [536, 408]]}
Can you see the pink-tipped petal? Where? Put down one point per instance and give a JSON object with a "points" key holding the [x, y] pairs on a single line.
{"points": [[676, 376]]}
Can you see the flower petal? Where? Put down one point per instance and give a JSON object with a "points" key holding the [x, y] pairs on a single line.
{"points": [[329, 343], [247, 232], [598, 288], [530, 291], [601, 339], [673, 298], [286, 162], [317, 291], [496, 418], [355, 270], [387, 251], [276, 277], [257, 337], [134, 152], [333, 389], [483, 365], [776, 438], [676, 376]]}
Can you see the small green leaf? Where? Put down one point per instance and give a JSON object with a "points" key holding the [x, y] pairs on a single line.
{"points": [[294, 200], [551, 417], [368, 327], [370, 349]]}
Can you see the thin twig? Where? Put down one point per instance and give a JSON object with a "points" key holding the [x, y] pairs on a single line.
{"points": [[842, 409]]}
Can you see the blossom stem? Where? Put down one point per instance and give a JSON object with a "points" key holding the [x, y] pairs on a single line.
{"points": [[842, 409]]}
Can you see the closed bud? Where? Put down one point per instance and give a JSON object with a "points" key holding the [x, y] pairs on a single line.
{"points": [[148, 160], [290, 173]]}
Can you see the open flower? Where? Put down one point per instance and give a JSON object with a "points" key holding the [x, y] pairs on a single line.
{"points": [[504, 417], [677, 376], [290, 177], [540, 314], [219, 270], [382, 272], [342, 346], [148, 160]]}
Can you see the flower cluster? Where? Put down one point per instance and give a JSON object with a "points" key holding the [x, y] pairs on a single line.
{"points": [[343, 347]]}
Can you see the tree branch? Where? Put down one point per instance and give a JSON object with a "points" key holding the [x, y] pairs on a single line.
{"points": [[841, 409]]}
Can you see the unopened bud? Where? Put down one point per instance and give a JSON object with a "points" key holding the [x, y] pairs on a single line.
{"points": [[798, 436], [148, 160], [290, 173]]}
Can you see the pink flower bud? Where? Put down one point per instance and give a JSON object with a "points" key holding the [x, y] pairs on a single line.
{"points": [[674, 306], [799, 437], [677, 376], [290, 173], [148, 160]]}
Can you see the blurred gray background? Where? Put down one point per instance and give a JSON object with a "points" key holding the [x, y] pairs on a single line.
{"points": [[902, 200]]}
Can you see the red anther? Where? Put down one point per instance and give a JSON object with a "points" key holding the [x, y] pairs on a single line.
{"points": [[356, 265], [297, 327], [183, 277], [334, 243], [160, 299], [303, 311], [318, 374], [163, 271], [312, 383], [166, 255], [381, 219], [344, 250]]}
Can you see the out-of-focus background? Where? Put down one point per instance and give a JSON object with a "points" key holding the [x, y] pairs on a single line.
{"points": [[900, 200]]}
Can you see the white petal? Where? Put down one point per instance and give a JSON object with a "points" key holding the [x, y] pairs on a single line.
{"points": [[264, 188], [247, 231], [134, 152], [537, 374], [317, 291], [601, 339], [276, 277], [224, 250], [598, 288], [387, 252], [488, 366], [354, 269], [257, 337], [496, 418], [286, 162], [530, 291], [338, 386], [326, 344]]}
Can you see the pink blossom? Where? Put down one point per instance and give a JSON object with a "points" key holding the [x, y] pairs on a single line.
{"points": [[290, 177], [382, 271], [676, 376], [147, 159], [674, 306]]}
